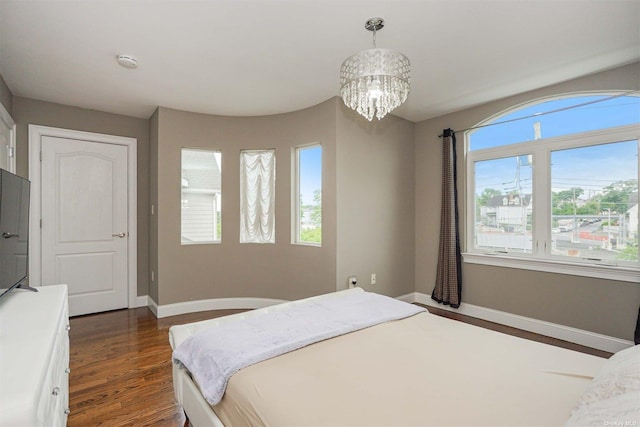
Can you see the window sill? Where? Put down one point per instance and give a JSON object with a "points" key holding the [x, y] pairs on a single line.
{"points": [[212, 242], [623, 274], [313, 245]]}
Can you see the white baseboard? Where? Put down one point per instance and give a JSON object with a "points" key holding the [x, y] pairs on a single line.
{"points": [[153, 306], [554, 330], [140, 301], [167, 310], [410, 298]]}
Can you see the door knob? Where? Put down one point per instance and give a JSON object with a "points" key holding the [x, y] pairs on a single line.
{"points": [[121, 235]]}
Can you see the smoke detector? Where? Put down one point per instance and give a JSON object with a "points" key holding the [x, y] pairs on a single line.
{"points": [[127, 61]]}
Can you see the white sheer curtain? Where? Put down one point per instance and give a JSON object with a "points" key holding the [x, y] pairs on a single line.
{"points": [[257, 196]]}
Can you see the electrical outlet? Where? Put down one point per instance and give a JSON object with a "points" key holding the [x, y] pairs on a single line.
{"points": [[373, 278], [353, 281]]}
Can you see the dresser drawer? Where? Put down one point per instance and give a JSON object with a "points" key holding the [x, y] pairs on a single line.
{"points": [[52, 406], [34, 349]]}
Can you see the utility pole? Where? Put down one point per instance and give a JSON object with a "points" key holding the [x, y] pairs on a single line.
{"points": [[575, 224], [609, 229]]}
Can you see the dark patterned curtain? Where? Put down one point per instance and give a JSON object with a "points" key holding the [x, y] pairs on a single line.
{"points": [[636, 336], [449, 274]]}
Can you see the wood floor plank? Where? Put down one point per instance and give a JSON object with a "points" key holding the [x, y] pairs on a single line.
{"points": [[121, 366], [121, 371]]}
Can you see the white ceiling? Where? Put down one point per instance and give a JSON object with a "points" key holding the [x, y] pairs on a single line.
{"points": [[239, 58]]}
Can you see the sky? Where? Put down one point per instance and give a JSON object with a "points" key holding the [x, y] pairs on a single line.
{"points": [[589, 168], [310, 172]]}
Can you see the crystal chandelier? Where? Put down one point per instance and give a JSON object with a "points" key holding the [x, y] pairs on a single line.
{"points": [[375, 81]]}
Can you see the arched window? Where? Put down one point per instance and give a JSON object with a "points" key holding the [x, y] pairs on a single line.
{"points": [[568, 170]]}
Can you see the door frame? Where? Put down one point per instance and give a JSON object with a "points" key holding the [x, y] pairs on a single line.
{"points": [[5, 117], [36, 133]]}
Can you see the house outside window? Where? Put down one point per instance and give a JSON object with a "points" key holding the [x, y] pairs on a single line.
{"points": [[201, 197], [558, 190], [307, 195]]}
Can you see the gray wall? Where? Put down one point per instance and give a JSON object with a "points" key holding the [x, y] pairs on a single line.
{"points": [[597, 305], [375, 202], [367, 206], [231, 269], [29, 111], [6, 97]]}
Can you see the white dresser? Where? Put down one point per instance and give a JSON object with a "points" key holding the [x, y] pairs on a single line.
{"points": [[34, 358]]}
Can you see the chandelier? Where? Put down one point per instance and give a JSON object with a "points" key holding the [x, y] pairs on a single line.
{"points": [[375, 81]]}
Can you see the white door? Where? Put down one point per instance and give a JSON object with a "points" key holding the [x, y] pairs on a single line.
{"points": [[84, 222]]}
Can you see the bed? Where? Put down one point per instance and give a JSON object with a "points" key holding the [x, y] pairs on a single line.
{"points": [[416, 370]]}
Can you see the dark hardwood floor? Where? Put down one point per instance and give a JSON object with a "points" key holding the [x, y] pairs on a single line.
{"points": [[121, 366], [121, 369]]}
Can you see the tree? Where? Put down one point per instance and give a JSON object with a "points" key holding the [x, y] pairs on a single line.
{"points": [[316, 212], [564, 202], [487, 194], [565, 209], [590, 208], [630, 253], [616, 195], [570, 195], [312, 233], [311, 236]]}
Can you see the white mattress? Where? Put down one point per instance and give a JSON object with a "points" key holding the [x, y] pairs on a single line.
{"points": [[424, 370]]}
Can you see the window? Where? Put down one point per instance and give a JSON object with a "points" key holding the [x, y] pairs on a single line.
{"points": [[307, 198], [257, 196], [201, 196], [504, 204], [557, 192]]}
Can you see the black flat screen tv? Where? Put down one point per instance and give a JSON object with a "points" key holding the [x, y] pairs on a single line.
{"points": [[14, 232]]}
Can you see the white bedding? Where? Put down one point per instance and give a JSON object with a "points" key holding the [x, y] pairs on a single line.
{"points": [[613, 397], [215, 354], [423, 370]]}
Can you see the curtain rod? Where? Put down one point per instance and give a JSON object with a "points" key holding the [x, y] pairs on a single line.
{"points": [[547, 112]]}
